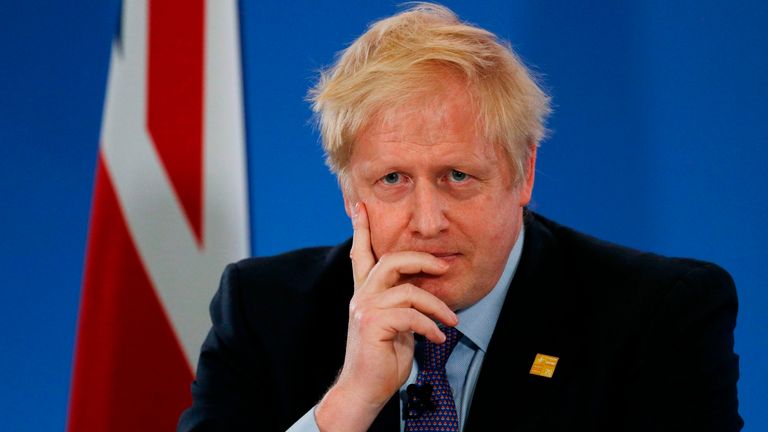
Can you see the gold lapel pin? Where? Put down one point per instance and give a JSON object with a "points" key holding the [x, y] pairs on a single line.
{"points": [[544, 365]]}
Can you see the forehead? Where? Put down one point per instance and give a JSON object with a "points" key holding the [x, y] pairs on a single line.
{"points": [[440, 128], [445, 105]]}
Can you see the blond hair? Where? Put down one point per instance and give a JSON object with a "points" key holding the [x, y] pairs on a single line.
{"points": [[401, 59]]}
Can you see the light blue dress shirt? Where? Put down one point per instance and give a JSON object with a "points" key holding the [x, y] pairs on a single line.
{"points": [[476, 323]]}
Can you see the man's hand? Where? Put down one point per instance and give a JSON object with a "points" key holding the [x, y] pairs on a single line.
{"points": [[383, 317]]}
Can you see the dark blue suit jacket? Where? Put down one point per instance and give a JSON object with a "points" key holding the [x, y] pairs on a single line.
{"points": [[645, 343]]}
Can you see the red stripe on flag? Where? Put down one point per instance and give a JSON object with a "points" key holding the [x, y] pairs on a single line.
{"points": [[175, 98], [130, 373]]}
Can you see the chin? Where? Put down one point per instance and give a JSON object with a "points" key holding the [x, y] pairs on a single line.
{"points": [[447, 290]]}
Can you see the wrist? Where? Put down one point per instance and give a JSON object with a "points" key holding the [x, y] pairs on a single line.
{"points": [[343, 410]]}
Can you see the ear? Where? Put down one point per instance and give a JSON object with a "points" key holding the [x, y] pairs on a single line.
{"points": [[350, 198], [526, 186], [348, 203]]}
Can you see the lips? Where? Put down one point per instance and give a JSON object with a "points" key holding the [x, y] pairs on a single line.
{"points": [[445, 256]]}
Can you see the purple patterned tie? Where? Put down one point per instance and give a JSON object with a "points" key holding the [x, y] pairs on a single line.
{"points": [[438, 412]]}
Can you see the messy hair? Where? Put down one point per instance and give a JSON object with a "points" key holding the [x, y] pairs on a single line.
{"points": [[401, 59]]}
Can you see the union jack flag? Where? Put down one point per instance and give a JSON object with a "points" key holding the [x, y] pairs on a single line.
{"points": [[169, 211]]}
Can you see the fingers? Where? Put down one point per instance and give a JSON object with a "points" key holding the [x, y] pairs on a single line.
{"points": [[404, 308], [400, 320], [361, 253], [411, 296], [391, 266]]}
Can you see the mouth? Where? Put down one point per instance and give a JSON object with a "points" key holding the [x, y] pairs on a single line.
{"points": [[448, 257], [445, 256]]}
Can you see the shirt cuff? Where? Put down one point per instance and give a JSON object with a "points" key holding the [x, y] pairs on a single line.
{"points": [[306, 423]]}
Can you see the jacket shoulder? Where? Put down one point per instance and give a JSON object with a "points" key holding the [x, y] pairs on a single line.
{"points": [[645, 322], [265, 317], [296, 271], [277, 295], [588, 256]]}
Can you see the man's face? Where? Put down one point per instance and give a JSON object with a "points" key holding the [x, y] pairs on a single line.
{"points": [[430, 183]]}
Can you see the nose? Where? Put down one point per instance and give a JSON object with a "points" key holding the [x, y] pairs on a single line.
{"points": [[428, 216]]}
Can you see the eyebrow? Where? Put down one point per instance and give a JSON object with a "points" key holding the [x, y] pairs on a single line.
{"points": [[375, 168]]}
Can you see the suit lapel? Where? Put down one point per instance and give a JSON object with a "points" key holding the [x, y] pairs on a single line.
{"points": [[388, 419], [531, 322]]}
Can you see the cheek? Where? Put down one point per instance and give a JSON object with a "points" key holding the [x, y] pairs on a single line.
{"points": [[494, 220], [387, 223]]}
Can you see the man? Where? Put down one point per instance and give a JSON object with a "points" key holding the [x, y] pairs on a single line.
{"points": [[459, 310]]}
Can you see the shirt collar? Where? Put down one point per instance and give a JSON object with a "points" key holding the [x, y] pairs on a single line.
{"points": [[478, 321]]}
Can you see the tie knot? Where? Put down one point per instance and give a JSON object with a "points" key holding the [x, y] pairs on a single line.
{"points": [[436, 355]]}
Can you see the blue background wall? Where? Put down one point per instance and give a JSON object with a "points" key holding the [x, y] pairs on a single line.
{"points": [[659, 141]]}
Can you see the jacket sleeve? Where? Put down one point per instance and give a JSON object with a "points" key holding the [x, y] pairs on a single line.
{"points": [[687, 377], [229, 393]]}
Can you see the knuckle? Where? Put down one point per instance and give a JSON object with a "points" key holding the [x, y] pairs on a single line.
{"points": [[355, 306], [414, 317], [366, 318], [418, 294], [409, 289], [354, 254], [360, 313]]}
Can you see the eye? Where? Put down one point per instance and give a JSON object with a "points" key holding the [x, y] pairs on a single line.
{"points": [[458, 176], [391, 178]]}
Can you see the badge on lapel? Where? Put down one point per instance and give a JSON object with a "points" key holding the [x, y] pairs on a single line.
{"points": [[544, 365]]}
